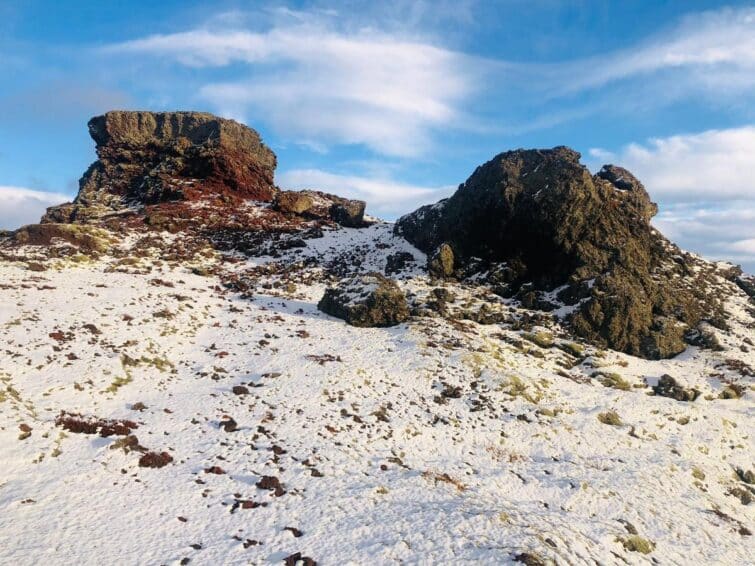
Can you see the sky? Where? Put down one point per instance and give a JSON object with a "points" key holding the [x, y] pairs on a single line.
{"points": [[397, 102]]}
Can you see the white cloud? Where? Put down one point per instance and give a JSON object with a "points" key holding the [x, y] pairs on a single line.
{"points": [[713, 51], [718, 232], [315, 84], [385, 197], [19, 206], [705, 184], [715, 165]]}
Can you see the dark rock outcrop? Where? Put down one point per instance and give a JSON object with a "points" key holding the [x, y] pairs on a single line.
{"points": [[316, 204], [366, 300], [398, 262], [148, 158], [668, 387], [538, 220]]}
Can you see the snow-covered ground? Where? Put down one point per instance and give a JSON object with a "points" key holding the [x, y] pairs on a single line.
{"points": [[435, 442]]}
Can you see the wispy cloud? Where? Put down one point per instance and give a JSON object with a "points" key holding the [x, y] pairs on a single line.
{"points": [[315, 84], [385, 197], [19, 206], [321, 79], [707, 46], [714, 165]]}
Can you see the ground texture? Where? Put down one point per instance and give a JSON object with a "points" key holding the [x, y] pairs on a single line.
{"points": [[159, 409]]}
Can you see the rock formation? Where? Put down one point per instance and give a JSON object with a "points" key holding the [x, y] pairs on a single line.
{"points": [[153, 162], [316, 204], [149, 158], [366, 300], [538, 221]]}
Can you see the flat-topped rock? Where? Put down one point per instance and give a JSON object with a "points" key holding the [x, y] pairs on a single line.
{"points": [[152, 157]]}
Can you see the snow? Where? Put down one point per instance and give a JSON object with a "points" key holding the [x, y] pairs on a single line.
{"points": [[518, 462]]}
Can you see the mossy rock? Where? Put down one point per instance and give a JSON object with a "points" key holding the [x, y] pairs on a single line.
{"points": [[293, 202], [85, 238], [613, 380], [610, 418], [572, 348], [542, 339], [636, 543], [668, 387], [441, 263]]}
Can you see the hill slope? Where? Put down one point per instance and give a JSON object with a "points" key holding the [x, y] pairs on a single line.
{"points": [[440, 440], [170, 392]]}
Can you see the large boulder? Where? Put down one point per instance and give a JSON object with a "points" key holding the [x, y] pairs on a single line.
{"points": [[365, 300], [539, 221], [149, 158], [316, 204]]}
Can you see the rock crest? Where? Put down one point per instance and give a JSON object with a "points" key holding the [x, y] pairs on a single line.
{"points": [[148, 158], [316, 204]]}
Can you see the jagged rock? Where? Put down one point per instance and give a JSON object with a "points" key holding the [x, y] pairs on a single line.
{"points": [[348, 212], [443, 294], [316, 204], [552, 224], [147, 158], [441, 262], [668, 387], [366, 300]]}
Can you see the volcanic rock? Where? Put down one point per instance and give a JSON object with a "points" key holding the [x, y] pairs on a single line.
{"points": [[541, 222], [295, 202], [366, 300], [668, 387], [398, 262], [148, 158], [316, 204]]}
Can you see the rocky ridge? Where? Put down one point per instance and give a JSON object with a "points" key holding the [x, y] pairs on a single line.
{"points": [[149, 158]]}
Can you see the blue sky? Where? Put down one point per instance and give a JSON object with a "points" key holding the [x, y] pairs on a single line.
{"points": [[398, 102]]}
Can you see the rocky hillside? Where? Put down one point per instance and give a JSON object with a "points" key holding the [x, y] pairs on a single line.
{"points": [[197, 366]]}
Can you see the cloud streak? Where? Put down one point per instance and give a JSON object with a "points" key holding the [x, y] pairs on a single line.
{"points": [[314, 84], [722, 232], [708, 46]]}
